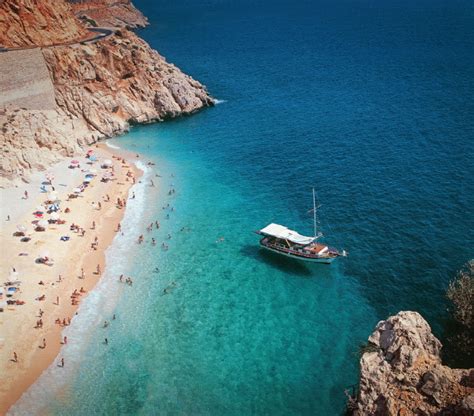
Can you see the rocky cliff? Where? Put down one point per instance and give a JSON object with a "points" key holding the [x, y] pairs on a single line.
{"points": [[38, 23], [99, 89], [401, 373], [107, 13]]}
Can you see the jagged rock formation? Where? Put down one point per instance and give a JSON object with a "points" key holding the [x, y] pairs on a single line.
{"points": [[38, 23], [99, 89], [402, 373], [106, 13], [121, 80]]}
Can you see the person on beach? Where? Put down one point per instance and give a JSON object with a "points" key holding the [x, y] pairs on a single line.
{"points": [[59, 279], [99, 205], [106, 324], [44, 344], [64, 322], [65, 340], [133, 195], [62, 363], [107, 197], [93, 225], [15, 357], [82, 274], [157, 225], [82, 290], [26, 195], [119, 227], [121, 278], [140, 239], [152, 183], [106, 341], [83, 232], [57, 300], [98, 269], [113, 317], [153, 241], [8, 217], [41, 312]]}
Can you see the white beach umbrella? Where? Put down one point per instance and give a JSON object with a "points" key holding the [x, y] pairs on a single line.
{"points": [[54, 216], [77, 190], [87, 180], [44, 254], [52, 196], [43, 223], [21, 228], [107, 163]]}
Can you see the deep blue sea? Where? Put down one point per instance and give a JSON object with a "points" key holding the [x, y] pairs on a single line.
{"points": [[369, 101]]}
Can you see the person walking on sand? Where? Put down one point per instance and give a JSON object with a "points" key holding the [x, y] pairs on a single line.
{"points": [[65, 340], [93, 225], [119, 227], [82, 274], [15, 357], [44, 344], [26, 194], [99, 205], [57, 300], [98, 269], [61, 363]]}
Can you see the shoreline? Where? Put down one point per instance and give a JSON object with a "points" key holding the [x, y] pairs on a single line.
{"points": [[70, 257]]}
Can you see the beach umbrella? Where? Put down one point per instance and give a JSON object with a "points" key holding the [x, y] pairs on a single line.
{"points": [[43, 223], [107, 163], [93, 158], [21, 228], [93, 171], [52, 196], [90, 151], [74, 162], [77, 190], [87, 180], [44, 254], [54, 216]]}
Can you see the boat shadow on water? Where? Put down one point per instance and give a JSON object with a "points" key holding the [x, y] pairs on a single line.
{"points": [[284, 264]]}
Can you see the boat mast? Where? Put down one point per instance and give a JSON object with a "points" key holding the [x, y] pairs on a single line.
{"points": [[315, 219]]}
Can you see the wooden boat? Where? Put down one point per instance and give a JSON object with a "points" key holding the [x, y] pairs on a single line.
{"points": [[282, 240]]}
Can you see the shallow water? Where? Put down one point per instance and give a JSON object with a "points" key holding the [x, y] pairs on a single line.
{"points": [[368, 102]]}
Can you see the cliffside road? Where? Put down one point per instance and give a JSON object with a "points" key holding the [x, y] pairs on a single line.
{"points": [[101, 33]]}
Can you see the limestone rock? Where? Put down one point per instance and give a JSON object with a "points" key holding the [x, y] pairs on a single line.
{"points": [[107, 13], [403, 373]]}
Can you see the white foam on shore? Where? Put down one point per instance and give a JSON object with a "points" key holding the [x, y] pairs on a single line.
{"points": [[112, 146], [97, 307]]}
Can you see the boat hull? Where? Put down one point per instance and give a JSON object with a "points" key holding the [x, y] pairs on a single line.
{"points": [[324, 260]]}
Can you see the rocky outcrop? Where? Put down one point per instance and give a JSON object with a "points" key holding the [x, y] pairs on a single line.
{"points": [[121, 80], [38, 23], [100, 88], [109, 13], [401, 373]]}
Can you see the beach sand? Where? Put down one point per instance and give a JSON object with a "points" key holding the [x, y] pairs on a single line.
{"points": [[17, 322]]}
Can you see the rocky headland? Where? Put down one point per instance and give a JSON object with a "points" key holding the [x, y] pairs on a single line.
{"points": [[92, 89], [401, 373]]}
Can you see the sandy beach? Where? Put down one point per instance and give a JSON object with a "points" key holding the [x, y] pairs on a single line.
{"points": [[45, 277]]}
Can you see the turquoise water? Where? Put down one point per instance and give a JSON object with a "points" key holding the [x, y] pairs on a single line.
{"points": [[368, 101]]}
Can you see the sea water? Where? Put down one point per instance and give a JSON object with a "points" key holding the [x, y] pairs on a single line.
{"points": [[369, 102]]}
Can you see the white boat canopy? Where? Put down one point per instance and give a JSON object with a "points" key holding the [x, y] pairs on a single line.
{"points": [[280, 231]]}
